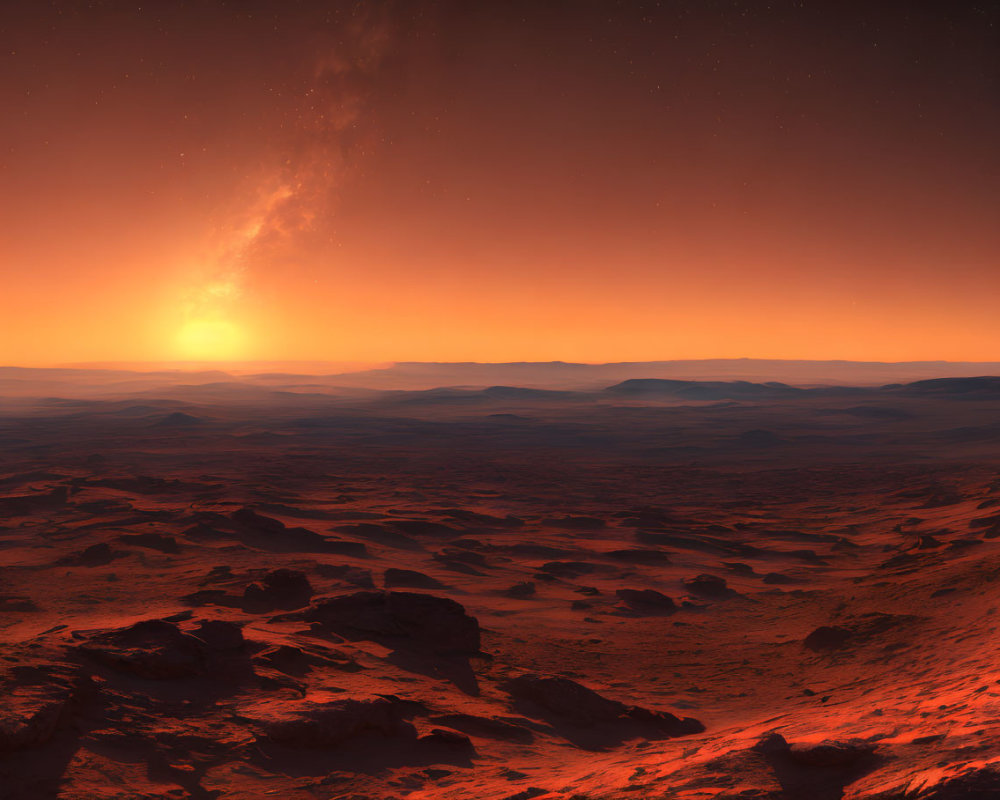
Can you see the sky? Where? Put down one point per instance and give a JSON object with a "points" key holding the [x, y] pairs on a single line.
{"points": [[582, 180]]}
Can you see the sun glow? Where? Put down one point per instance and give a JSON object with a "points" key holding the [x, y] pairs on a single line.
{"points": [[210, 340]]}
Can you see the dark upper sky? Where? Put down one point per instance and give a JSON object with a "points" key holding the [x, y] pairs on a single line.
{"points": [[499, 181]]}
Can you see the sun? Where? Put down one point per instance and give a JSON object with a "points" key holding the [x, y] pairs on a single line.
{"points": [[210, 340]]}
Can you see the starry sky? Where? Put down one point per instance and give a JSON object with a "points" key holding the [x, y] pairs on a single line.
{"points": [[583, 180]]}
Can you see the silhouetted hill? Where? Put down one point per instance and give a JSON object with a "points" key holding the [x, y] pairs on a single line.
{"points": [[595, 377], [702, 390], [982, 386], [722, 379]]}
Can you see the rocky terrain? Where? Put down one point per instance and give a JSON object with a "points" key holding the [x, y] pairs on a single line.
{"points": [[701, 590]]}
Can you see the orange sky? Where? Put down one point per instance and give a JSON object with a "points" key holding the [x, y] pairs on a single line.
{"points": [[437, 181]]}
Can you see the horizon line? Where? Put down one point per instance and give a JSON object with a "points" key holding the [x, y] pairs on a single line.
{"points": [[364, 366]]}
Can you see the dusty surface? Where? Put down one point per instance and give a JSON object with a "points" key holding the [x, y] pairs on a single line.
{"points": [[228, 594]]}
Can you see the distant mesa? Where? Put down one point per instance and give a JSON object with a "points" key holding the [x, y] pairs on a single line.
{"points": [[702, 390], [986, 385]]}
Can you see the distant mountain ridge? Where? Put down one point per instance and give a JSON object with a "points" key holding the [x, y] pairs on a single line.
{"points": [[731, 378], [985, 386], [979, 385], [577, 376]]}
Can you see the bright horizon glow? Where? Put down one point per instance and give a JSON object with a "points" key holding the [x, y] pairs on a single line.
{"points": [[210, 340]]}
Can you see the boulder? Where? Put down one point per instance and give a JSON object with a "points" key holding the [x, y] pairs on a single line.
{"points": [[445, 737], [646, 600], [322, 719], [707, 586], [410, 578], [826, 638], [831, 754], [37, 699], [219, 635], [279, 588], [420, 620], [565, 698], [151, 649], [578, 705]]}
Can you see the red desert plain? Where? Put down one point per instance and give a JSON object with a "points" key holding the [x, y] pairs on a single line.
{"points": [[499, 400], [272, 585]]}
